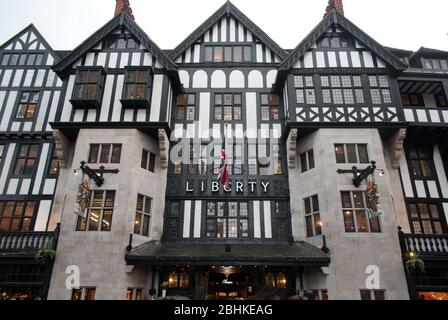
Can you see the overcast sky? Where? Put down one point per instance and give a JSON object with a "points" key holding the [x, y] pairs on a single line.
{"points": [[406, 24]]}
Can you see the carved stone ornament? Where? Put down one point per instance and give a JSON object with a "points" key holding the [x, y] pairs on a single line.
{"points": [[292, 148], [62, 144], [164, 146], [396, 146]]}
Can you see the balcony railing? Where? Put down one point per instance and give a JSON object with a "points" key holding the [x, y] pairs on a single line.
{"points": [[426, 244], [27, 242]]}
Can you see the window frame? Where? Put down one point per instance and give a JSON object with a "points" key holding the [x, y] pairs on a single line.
{"points": [[270, 106], [84, 291], [312, 213], [23, 173], [223, 105], [143, 213], [101, 210], [151, 159], [28, 103], [372, 294], [226, 217], [354, 210], [99, 153], [420, 219], [346, 154], [145, 101], [305, 161], [246, 57], [421, 160], [24, 216], [379, 90], [86, 102], [188, 106], [332, 85]]}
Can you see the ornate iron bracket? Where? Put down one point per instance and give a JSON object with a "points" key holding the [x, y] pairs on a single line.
{"points": [[96, 175], [359, 175]]}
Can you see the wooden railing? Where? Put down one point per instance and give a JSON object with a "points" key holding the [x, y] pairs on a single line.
{"points": [[28, 241], [426, 244]]}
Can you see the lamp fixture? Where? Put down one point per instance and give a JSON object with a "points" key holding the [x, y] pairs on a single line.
{"points": [[360, 175], [95, 174]]}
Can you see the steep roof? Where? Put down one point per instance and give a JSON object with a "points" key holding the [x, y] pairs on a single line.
{"points": [[337, 19], [120, 20], [228, 9]]}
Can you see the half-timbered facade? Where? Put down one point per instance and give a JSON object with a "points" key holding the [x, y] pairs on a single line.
{"points": [[124, 144], [29, 95]]}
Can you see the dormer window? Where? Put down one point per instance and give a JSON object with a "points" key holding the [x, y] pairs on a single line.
{"points": [[88, 90], [136, 93]]}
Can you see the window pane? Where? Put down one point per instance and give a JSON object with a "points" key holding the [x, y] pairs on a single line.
{"points": [[303, 162], [375, 225], [247, 54], [144, 161], [311, 159], [309, 226], [116, 153], [90, 294], [105, 152], [346, 200], [218, 54], [307, 206], [361, 221], [152, 162], [208, 54], [365, 295], [228, 54], [379, 295], [137, 222], [93, 153], [351, 153], [349, 221], [110, 199], [358, 199], [363, 155], [145, 231], [340, 153], [94, 220], [107, 220], [237, 54]]}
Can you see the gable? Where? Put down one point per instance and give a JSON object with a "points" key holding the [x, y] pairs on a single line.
{"points": [[228, 27], [369, 51], [118, 49], [337, 48], [28, 48], [96, 50]]}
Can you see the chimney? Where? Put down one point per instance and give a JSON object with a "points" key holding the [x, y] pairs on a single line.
{"points": [[334, 5], [123, 6]]}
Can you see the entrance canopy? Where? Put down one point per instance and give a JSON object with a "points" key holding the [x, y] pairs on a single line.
{"points": [[300, 254]]}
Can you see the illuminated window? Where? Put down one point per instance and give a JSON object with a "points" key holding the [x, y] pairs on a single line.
{"points": [[137, 88], [355, 213], [420, 162], [84, 293], [186, 107], [276, 280], [27, 105], [227, 107], [134, 294], [142, 215], [99, 213], [312, 216], [426, 218], [88, 89], [178, 279], [351, 153], [53, 169], [16, 215], [269, 107]]}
